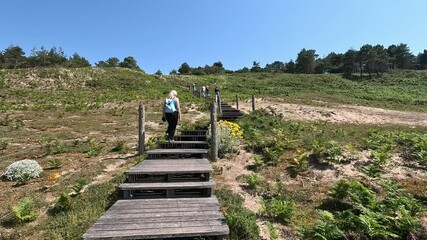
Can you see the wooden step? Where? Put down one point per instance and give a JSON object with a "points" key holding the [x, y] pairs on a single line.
{"points": [[184, 144], [170, 170], [177, 153], [169, 218], [229, 119], [166, 190], [231, 114], [193, 132], [230, 110], [190, 138]]}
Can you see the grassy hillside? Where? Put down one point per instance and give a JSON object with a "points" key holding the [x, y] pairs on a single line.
{"points": [[91, 87], [396, 90], [77, 89]]}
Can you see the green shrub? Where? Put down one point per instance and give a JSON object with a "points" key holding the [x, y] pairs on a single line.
{"points": [[253, 180], [241, 221], [272, 154], [226, 140], [63, 203], [23, 210], [272, 231], [152, 142], [3, 144], [53, 145], [281, 210], [94, 149], [242, 224], [325, 229], [299, 164], [23, 170], [120, 147], [79, 185], [372, 169], [394, 215], [352, 190], [330, 151], [229, 199], [55, 163]]}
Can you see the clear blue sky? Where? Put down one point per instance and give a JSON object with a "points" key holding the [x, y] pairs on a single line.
{"points": [[162, 34]]}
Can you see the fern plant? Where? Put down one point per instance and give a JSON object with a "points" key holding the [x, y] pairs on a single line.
{"points": [[281, 210], [63, 203], [24, 210], [253, 180], [55, 163], [325, 229], [79, 185]]}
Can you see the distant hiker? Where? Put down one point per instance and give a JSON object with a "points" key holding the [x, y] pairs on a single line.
{"points": [[216, 90], [207, 90], [203, 91], [193, 88], [172, 113]]}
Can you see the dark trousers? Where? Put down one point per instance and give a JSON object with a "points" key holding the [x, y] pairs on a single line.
{"points": [[172, 119]]}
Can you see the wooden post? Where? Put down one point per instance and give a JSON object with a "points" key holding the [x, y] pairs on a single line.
{"points": [[200, 93], [237, 102], [214, 119], [141, 129], [253, 103], [219, 104]]}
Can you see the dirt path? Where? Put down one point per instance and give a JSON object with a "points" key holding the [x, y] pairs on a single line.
{"points": [[339, 113]]}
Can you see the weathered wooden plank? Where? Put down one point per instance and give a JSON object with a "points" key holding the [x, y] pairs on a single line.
{"points": [[190, 142], [184, 144], [158, 233], [158, 225], [155, 214], [190, 137], [193, 132], [215, 216], [166, 185], [163, 210], [171, 207], [132, 207], [172, 165], [174, 151], [165, 201]]}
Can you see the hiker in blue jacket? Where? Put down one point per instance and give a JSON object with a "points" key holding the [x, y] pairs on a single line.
{"points": [[172, 113]]}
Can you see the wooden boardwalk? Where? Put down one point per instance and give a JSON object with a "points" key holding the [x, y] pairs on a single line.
{"points": [[167, 196], [229, 113]]}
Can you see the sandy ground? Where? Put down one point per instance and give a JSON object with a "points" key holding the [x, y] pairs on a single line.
{"points": [[338, 113], [231, 178]]}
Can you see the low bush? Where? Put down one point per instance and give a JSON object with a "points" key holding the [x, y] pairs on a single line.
{"points": [[252, 180], [62, 204], [241, 221], [120, 147], [3, 144], [228, 134], [389, 214], [23, 170], [272, 231], [55, 163], [280, 210]]}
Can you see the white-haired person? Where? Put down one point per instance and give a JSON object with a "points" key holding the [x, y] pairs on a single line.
{"points": [[172, 113]]}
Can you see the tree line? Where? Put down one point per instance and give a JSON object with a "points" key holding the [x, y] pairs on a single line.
{"points": [[14, 57], [370, 59]]}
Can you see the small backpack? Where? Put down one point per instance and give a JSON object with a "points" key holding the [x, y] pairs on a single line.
{"points": [[170, 105]]}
